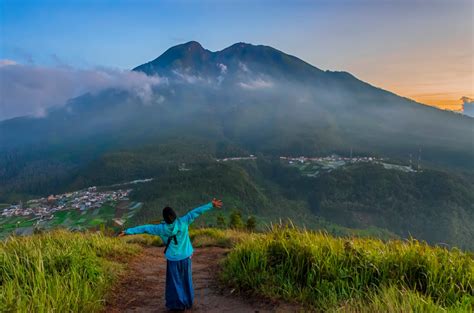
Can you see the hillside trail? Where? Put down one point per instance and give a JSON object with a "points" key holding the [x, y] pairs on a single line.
{"points": [[143, 287]]}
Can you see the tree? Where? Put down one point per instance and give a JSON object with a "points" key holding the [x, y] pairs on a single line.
{"points": [[220, 221], [236, 220], [251, 223]]}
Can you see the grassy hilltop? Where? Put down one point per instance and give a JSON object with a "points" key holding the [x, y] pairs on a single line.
{"points": [[72, 272]]}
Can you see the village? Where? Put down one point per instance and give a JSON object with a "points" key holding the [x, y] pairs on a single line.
{"points": [[89, 198], [312, 166], [250, 157], [331, 158]]}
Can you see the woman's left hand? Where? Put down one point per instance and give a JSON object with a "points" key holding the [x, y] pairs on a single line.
{"points": [[217, 203]]}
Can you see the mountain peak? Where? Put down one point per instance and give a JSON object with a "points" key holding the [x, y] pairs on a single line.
{"points": [[191, 58], [242, 47], [183, 55], [183, 50], [239, 45], [194, 45]]}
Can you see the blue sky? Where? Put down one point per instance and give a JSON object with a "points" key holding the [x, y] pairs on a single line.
{"points": [[419, 49]]}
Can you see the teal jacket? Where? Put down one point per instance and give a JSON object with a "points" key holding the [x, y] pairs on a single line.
{"points": [[179, 227]]}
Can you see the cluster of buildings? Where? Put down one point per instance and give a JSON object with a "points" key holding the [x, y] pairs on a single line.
{"points": [[303, 159], [250, 157], [86, 199], [313, 165], [331, 158]]}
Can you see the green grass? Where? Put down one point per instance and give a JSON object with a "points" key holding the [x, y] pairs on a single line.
{"points": [[396, 300], [144, 240], [83, 219], [200, 237], [352, 274], [213, 237], [62, 271], [10, 223], [59, 271]]}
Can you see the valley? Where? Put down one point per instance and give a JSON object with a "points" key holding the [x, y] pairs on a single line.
{"points": [[343, 195]]}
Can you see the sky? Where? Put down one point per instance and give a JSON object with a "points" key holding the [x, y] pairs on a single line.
{"points": [[422, 50]]}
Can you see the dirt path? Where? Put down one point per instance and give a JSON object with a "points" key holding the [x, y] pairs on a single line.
{"points": [[143, 289]]}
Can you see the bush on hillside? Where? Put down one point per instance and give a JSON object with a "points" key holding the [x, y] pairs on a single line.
{"points": [[251, 224], [236, 220]]}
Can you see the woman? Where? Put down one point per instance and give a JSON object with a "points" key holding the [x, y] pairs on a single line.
{"points": [[174, 233]]}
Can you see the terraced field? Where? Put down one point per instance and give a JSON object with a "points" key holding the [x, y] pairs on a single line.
{"points": [[70, 219]]}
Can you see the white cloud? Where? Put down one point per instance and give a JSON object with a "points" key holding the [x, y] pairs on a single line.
{"points": [[6, 62], [466, 99], [31, 90], [256, 84], [468, 106], [188, 78], [222, 67], [243, 67]]}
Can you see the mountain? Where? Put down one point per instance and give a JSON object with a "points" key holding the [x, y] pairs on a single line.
{"points": [[255, 97], [245, 99], [249, 99]]}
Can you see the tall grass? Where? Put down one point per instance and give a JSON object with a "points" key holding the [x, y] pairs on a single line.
{"points": [[213, 237], [356, 274], [59, 271], [200, 237]]}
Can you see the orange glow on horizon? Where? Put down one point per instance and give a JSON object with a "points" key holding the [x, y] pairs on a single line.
{"points": [[440, 102], [434, 74], [440, 94]]}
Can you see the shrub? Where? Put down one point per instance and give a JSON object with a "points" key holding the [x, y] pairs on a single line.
{"points": [[251, 224], [236, 220], [220, 221]]}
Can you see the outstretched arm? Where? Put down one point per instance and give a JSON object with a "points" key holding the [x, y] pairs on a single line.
{"points": [[144, 229], [193, 214]]}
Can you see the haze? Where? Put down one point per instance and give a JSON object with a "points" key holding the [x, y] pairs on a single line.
{"points": [[417, 49]]}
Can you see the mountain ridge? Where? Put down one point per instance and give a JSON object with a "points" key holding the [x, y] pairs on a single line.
{"points": [[218, 62], [260, 99], [151, 68]]}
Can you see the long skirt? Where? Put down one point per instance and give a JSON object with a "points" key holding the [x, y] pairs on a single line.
{"points": [[179, 285]]}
